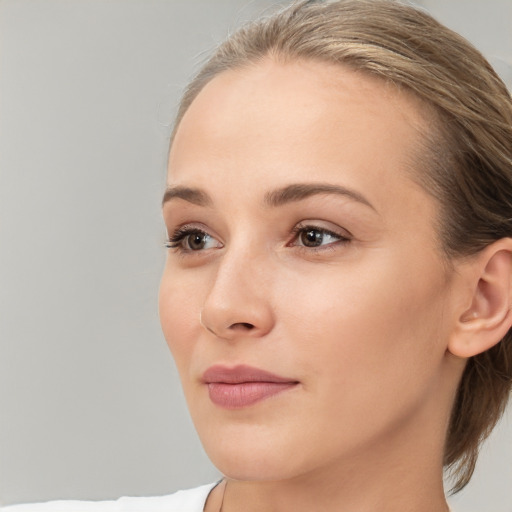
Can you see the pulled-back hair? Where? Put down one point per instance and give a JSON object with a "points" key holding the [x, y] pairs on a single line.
{"points": [[467, 165]]}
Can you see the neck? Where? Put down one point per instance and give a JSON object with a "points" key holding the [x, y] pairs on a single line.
{"points": [[388, 493]]}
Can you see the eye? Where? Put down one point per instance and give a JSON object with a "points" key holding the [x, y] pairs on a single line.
{"points": [[188, 239], [316, 237]]}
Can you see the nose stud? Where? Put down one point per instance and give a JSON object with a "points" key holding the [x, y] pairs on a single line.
{"points": [[203, 325]]}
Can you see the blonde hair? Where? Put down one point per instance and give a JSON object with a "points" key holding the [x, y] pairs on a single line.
{"points": [[467, 165]]}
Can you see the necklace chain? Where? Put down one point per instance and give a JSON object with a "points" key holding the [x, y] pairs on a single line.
{"points": [[223, 494]]}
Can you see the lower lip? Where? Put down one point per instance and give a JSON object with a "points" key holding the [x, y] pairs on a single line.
{"points": [[235, 396]]}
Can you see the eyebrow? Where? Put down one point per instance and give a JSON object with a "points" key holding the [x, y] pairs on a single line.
{"points": [[300, 191], [192, 195], [275, 198]]}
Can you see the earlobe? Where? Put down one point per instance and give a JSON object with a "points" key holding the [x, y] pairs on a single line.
{"points": [[488, 318]]}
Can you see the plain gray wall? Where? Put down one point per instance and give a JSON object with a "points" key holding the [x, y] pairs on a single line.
{"points": [[90, 404]]}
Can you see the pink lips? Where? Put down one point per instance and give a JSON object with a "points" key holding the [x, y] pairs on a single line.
{"points": [[241, 386]]}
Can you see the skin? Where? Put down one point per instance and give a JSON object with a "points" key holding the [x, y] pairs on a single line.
{"points": [[362, 322]]}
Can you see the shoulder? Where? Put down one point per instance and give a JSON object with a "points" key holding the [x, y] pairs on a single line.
{"points": [[191, 500]]}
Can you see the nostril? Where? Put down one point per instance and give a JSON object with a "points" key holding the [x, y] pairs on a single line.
{"points": [[243, 326]]}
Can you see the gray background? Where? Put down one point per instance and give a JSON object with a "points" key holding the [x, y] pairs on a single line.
{"points": [[90, 405]]}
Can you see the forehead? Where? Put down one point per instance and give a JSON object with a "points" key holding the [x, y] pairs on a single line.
{"points": [[287, 121]]}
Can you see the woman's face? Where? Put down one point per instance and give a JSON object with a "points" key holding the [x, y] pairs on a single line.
{"points": [[300, 239]]}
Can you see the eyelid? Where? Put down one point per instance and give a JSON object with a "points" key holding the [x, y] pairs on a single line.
{"points": [[319, 225], [189, 227]]}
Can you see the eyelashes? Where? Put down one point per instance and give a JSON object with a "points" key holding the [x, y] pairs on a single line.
{"points": [[189, 239], [313, 237]]}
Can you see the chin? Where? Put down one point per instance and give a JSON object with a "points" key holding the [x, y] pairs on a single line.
{"points": [[255, 455], [255, 469]]}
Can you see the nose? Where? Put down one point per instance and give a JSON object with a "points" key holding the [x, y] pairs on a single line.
{"points": [[238, 304]]}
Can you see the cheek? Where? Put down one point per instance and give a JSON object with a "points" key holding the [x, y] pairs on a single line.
{"points": [[179, 315], [364, 334]]}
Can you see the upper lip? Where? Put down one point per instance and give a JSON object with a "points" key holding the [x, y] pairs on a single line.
{"points": [[241, 373]]}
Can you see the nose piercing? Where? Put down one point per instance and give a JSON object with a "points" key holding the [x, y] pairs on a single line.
{"points": [[202, 324]]}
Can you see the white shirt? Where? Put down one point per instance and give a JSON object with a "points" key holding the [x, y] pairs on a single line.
{"points": [[191, 500]]}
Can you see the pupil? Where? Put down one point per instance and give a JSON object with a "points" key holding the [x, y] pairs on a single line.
{"points": [[196, 241], [311, 238]]}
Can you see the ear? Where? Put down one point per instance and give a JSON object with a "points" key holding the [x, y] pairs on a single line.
{"points": [[488, 318]]}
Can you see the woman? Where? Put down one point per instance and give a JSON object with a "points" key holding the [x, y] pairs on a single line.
{"points": [[337, 290]]}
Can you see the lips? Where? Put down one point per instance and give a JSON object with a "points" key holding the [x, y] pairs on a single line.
{"points": [[242, 386]]}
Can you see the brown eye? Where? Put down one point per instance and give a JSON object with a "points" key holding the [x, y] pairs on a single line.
{"points": [[192, 240], [315, 237], [311, 237], [196, 241]]}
